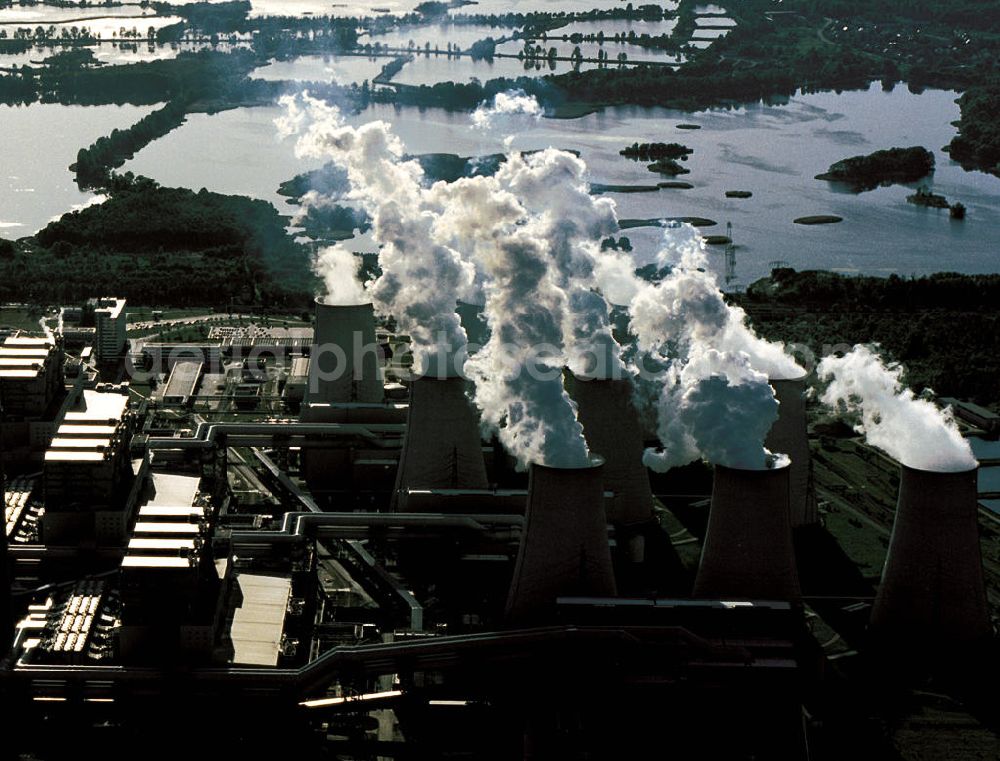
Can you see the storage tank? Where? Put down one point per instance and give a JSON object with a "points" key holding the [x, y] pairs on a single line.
{"points": [[748, 553], [789, 435], [564, 543]]}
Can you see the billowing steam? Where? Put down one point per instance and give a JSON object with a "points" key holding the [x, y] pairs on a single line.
{"points": [[421, 279], [552, 186], [507, 114], [338, 268], [909, 429], [714, 399], [527, 240], [714, 405], [501, 222]]}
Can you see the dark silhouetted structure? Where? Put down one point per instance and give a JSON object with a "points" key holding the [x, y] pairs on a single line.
{"points": [[789, 436], [564, 544], [748, 551], [932, 593], [442, 449]]}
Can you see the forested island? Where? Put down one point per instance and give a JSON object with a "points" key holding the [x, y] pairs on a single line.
{"points": [[653, 151], [885, 167]]}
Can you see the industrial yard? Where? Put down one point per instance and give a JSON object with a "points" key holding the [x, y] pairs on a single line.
{"points": [[357, 559]]}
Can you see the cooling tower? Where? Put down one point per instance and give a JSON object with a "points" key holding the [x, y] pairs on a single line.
{"points": [[344, 366], [747, 553], [788, 435], [932, 590], [442, 448], [564, 543], [611, 426], [6, 614]]}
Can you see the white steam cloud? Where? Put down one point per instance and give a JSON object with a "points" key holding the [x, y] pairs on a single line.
{"points": [[528, 241], [714, 405], [509, 113], [715, 400], [422, 278], [528, 306], [909, 429], [338, 268]]}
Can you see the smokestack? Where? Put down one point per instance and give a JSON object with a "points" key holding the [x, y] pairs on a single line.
{"points": [[344, 367], [442, 449], [748, 551], [932, 590], [788, 435], [564, 543]]}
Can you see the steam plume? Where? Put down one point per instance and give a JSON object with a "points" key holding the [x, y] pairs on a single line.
{"points": [[339, 269], [421, 279], [552, 186], [715, 401], [518, 374], [909, 429], [507, 114]]}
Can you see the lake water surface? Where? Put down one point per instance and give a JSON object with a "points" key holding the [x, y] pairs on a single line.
{"points": [[773, 151], [41, 141]]}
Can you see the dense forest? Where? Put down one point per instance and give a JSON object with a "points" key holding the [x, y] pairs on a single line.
{"points": [[161, 246], [94, 164], [977, 145], [942, 327]]}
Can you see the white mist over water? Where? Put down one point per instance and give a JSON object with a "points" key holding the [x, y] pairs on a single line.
{"points": [[907, 428]]}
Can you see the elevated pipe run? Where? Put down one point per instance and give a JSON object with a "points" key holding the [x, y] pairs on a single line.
{"points": [[374, 659], [207, 434], [297, 525]]}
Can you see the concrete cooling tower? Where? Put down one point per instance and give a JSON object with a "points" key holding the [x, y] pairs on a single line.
{"points": [[748, 553], [611, 426], [344, 367], [442, 448], [6, 618], [564, 544], [789, 436], [932, 590]]}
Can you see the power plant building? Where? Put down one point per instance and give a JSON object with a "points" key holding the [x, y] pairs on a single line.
{"points": [[88, 473], [110, 321]]}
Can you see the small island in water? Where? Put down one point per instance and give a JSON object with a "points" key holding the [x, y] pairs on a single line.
{"points": [[924, 197], [663, 156], [818, 219], [881, 168]]}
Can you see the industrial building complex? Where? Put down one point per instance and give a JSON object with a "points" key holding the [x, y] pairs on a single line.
{"points": [[283, 555]]}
